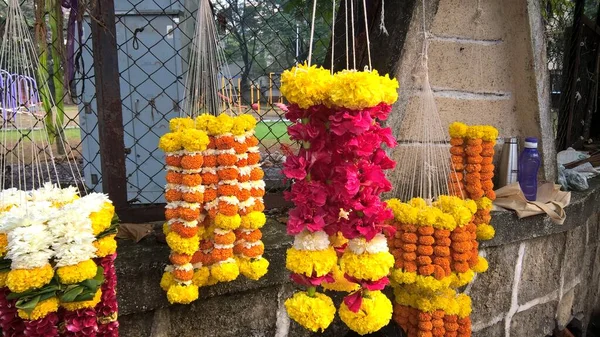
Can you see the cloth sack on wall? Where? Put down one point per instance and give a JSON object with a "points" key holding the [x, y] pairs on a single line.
{"points": [[550, 200]]}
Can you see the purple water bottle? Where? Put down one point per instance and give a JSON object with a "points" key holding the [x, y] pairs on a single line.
{"points": [[529, 164]]}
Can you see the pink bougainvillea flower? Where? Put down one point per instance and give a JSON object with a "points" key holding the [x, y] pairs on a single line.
{"points": [[312, 193], [295, 167], [381, 158], [303, 217], [350, 121], [354, 301]]}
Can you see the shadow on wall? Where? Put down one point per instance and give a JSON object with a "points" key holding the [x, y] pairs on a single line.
{"points": [[391, 330]]}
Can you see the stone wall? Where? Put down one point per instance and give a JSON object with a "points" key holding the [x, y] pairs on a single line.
{"points": [[541, 275]]}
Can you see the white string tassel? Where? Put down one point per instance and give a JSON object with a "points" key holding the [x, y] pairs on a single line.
{"points": [[382, 19]]}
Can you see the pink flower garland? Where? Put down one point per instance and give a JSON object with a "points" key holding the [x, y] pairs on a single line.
{"points": [[107, 309], [80, 323], [43, 327], [11, 324]]}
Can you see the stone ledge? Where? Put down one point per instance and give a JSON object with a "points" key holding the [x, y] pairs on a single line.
{"points": [[140, 266]]}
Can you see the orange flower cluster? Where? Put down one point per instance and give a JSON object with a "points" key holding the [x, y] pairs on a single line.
{"points": [[437, 324]]}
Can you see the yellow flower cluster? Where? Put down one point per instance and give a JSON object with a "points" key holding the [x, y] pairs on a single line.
{"points": [[375, 313], [431, 284], [313, 313], [72, 306], [20, 280], [447, 212], [341, 283], [200, 278], [41, 310], [485, 232], [3, 244], [106, 246], [448, 301], [253, 269], [182, 294], [102, 219], [457, 130], [254, 220], [181, 245], [77, 273], [307, 262], [367, 266], [224, 124], [309, 86], [225, 272]]}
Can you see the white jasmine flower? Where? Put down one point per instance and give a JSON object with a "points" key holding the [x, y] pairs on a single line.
{"points": [[311, 241]]}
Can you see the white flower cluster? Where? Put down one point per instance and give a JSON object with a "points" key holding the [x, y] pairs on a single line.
{"points": [[359, 246], [311, 241]]}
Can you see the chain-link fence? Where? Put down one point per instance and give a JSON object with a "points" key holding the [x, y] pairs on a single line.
{"points": [[260, 40]]}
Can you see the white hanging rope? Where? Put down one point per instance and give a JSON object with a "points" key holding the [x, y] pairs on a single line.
{"points": [[332, 36], [346, 34], [367, 34], [382, 19], [312, 32], [353, 35]]}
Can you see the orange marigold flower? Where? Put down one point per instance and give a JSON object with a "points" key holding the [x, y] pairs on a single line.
{"points": [[456, 141], [172, 195], [243, 194], [426, 270], [183, 275], [438, 272], [441, 251], [171, 213], [457, 150], [227, 209], [174, 177], [210, 194], [179, 259], [473, 167], [226, 159], [426, 240], [487, 168], [228, 190], [209, 178], [398, 264], [475, 192], [243, 178], [253, 236], [210, 160], [491, 194], [438, 314], [241, 162], [461, 236], [257, 174], [230, 173], [206, 245], [451, 319], [426, 230], [458, 167], [473, 150], [423, 260], [457, 160], [213, 212], [201, 257], [487, 185], [474, 159], [218, 255], [225, 239], [486, 175], [240, 148], [211, 142], [189, 214], [443, 262], [478, 141], [251, 141], [193, 197], [191, 179], [183, 231], [409, 228], [192, 162], [259, 206], [461, 257], [462, 247], [425, 250], [410, 266], [409, 247], [487, 160], [441, 233], [253, 158], [474, 259], [257, 192], [424, 317], [425, 325], [488, 153], [409, 238], [172, 160], [245, 211], [461, 267], [224, 142], [456, 177], [438, 332], [409, 256]]}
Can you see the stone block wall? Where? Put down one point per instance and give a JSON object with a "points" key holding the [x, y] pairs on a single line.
{"points": [[541, 276]]}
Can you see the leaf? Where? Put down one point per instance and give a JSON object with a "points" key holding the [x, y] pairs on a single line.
{"points": [[28, 306], [71, 295], [86, 296]]}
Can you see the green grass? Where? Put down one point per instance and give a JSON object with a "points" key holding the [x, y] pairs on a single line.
{"points": [[12, 136], [273, 131]]}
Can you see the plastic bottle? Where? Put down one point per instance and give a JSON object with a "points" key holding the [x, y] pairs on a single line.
{"points": [[529, 164]]}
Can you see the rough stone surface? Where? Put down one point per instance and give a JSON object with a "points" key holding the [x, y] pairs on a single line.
{"points": [[496, 330], [541, 267], [574, 252], [535, 322], [489, 304], [565, 308], [461, 18]]}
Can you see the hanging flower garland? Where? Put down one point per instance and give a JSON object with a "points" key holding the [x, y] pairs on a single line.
{"points": [[338, 175]]}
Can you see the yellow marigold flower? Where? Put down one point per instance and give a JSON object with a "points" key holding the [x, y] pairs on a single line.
{"points": [[72, 306], [228, 222], [375, 313], [3, 244], [181, 245], [402, 277], [474, 132], [253, 269], [306, 86], [102, 219], [406, 213], [166, 229], [306, 262], [485, 232], [180, 124], [457, 130], [427, 216], [106, 246], [464, 303], [201, 276], [461, 279], [481, 266], [182, 294], [167, 281], [194, 140], [341, 283], [170, 142], [471, 205], [389, 89], [82, 271], [484, 203], [41, 310], [21, 280], [490, 133], [220, 125], [417, 202], [253, 220], [313, 313], [360, 89], [225, 272], [367, 266], [462, 215], [338, 240], [445, 221], [431, 284], [242, 124], [203, 121]]}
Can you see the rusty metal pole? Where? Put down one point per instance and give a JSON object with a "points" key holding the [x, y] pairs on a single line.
{"points": [[108, 102]]}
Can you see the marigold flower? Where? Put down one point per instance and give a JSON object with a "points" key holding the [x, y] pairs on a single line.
{"points": [[441, 251], [171, 213], [240, 148], [253, 159], [487, 168], [462, 247], [225, 239], [218, 254], [180, 259], [423, 260], [409, 238], [174, 177], [226, 159], [454, 141], [183, 231], [76, 273], [192, 162], [191, 179], [201, 257], [227, 208], [210, 160], [257, 192], [259, 206], [425, 250], [253, 251], [210, 194], [243, 194], [256, 174], [474, 142], [230, 173], [461, 267], [409, 247], [426, 240], [252, 236], [173, 160], [313, 313], [189, 214], [228, 190], [409, 257], [252, 141], [193, 197], [182, 294], [183, 275], [225, 272], [474, 159], [457, 150], [224, 142]]}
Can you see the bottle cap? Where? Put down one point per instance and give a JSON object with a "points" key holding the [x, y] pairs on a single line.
{"points": [[531, 143]]}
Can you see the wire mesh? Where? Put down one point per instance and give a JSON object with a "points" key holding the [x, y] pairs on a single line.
{"points": [[260, 39]]}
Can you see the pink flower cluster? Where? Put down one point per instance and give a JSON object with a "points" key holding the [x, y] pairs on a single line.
{"points": [[340, 166], [11, 324], [80, 323], [108, 306], [43, 327]]}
